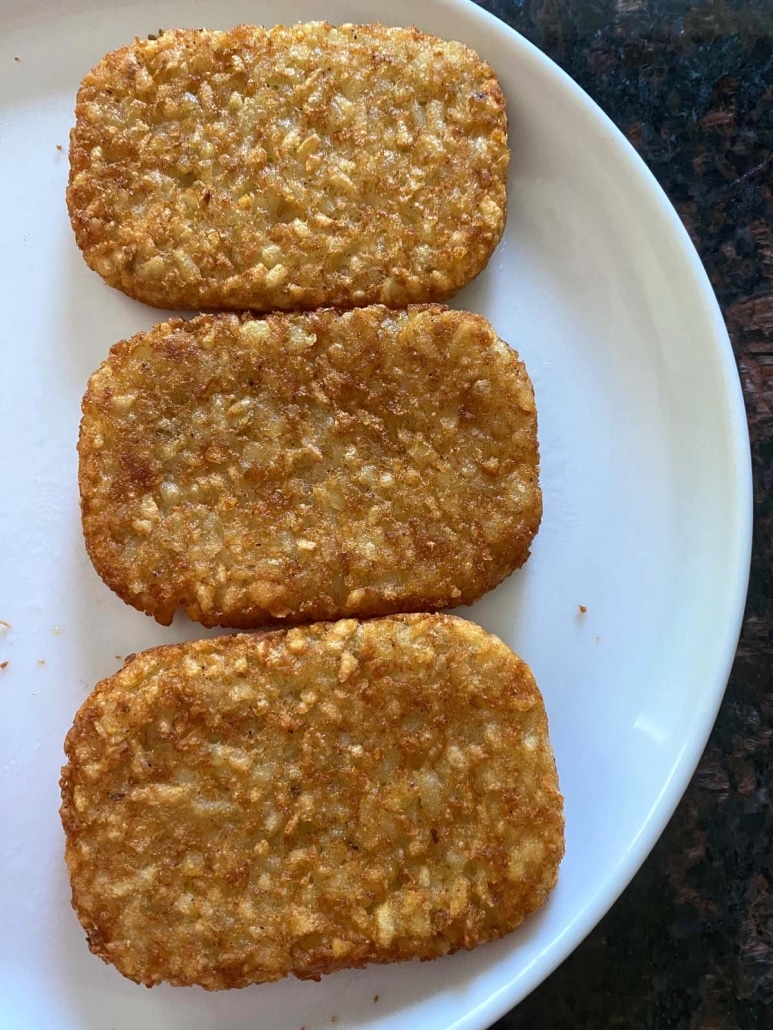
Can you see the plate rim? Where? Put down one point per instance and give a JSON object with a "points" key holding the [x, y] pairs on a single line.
{"points": [[741, 519]]}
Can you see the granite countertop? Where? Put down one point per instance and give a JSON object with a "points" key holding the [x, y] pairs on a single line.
{"points": [[689, 946]]}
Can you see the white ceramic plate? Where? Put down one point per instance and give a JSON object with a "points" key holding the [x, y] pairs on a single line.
{"points": [[647, 517]]}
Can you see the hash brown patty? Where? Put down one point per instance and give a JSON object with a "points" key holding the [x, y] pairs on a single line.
{"points": [[289, 168], [316, 798], [310, 466]]}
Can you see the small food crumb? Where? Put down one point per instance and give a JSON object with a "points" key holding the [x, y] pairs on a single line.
{"points": [[119, 657], [4, 624], [375, 998], [41, 661], [17, 59], [3, 665], [59, 147], [581, 609], [58, 630]]}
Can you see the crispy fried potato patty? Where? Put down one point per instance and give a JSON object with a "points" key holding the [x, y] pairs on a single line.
{"points": [[289, 168], [312, 799], [310, 466]]}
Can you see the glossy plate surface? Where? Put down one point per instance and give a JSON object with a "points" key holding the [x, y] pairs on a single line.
{"points": [[647, 517]]}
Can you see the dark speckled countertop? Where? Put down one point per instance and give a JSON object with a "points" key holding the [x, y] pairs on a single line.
{"points": [[689, 946]]}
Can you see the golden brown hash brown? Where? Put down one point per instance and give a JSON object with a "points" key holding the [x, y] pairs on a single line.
{"points": [[309, 466], [312, 799], [289, 168]]}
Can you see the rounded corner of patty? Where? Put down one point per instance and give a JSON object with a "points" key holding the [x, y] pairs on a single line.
{"points": [[290, 468], [286, 132], [242, 808]]}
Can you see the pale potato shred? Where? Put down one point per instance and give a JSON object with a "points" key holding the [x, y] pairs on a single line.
{"points": [[310, 466], [288, 168], [312, 799]]}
